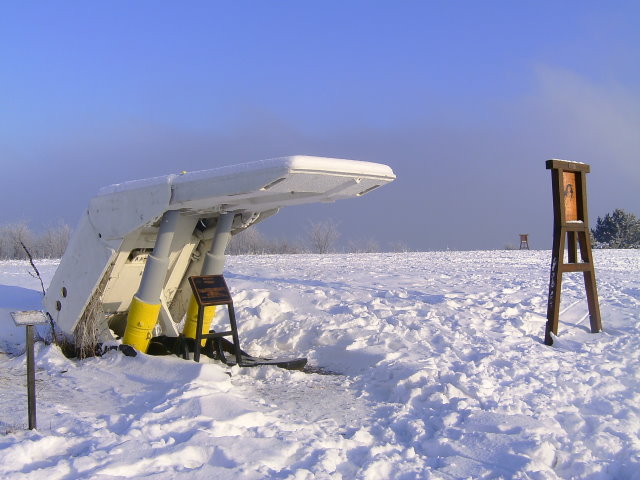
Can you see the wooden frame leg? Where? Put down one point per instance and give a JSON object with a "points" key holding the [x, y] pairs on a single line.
{"points": [[555, 287], [590, 283]]}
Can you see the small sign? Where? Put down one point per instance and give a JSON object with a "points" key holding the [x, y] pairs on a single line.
{"points": [[210, 290], [29, 317], [570, 195]]}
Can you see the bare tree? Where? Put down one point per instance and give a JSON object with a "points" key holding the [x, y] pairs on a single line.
{"points": [[285, 247], [17, 238], [364, 246], [14, 236], [53, 242], [252, 242], [248, 242], [323, 236], [399, 246], [6, 248]]}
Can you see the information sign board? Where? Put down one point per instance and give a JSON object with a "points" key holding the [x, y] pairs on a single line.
{"points": [[210, 290]]}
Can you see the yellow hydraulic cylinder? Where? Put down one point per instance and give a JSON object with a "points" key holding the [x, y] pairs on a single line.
{"points": [[191, 320], [141, 320], [145, 305]]}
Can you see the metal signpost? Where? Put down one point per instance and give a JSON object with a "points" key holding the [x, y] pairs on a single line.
{"points": [[570, 227], [212, 290], [28, 319]]}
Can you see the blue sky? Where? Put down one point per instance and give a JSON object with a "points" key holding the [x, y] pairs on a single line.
{"points": [[464, 100]]}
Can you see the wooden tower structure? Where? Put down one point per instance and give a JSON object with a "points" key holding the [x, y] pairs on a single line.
{"points": [[570, 229]]}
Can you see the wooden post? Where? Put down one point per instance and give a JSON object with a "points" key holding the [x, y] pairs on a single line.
{"points": [[570, 229], [28, 319]]}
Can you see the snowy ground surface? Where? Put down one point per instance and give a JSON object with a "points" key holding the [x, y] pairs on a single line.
{"points": [[440, 372]]}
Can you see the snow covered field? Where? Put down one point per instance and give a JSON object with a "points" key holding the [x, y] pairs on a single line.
{"points": [[440, 372]]}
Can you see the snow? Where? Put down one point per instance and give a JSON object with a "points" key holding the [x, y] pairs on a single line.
{"points": [[280, 164], [432, 364], [29, 317], [567, 161]]}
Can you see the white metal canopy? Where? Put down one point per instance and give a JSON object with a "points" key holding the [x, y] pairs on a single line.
{"points": [[101, 268]]}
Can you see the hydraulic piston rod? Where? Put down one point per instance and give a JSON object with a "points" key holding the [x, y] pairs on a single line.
{"points": [[145, 305]]}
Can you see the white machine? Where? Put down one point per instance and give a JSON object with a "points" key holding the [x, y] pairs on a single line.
{"points": [[125, 272]]}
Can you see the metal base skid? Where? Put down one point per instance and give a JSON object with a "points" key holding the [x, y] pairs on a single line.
{"points": [[219, 349]]}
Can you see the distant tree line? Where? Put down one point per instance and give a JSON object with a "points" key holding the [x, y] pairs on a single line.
{"points": [[51, 243], [618, 229], [319, 237], [252, 242]]}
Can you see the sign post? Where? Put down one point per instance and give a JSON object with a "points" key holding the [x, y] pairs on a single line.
{"points": [[208, 291], [28, 319], [570, 228]]}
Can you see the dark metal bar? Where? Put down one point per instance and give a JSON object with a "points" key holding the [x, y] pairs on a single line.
{"points": [[31, 379], [183, 347], [217, 334], [234, 329], [196, 347]]}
